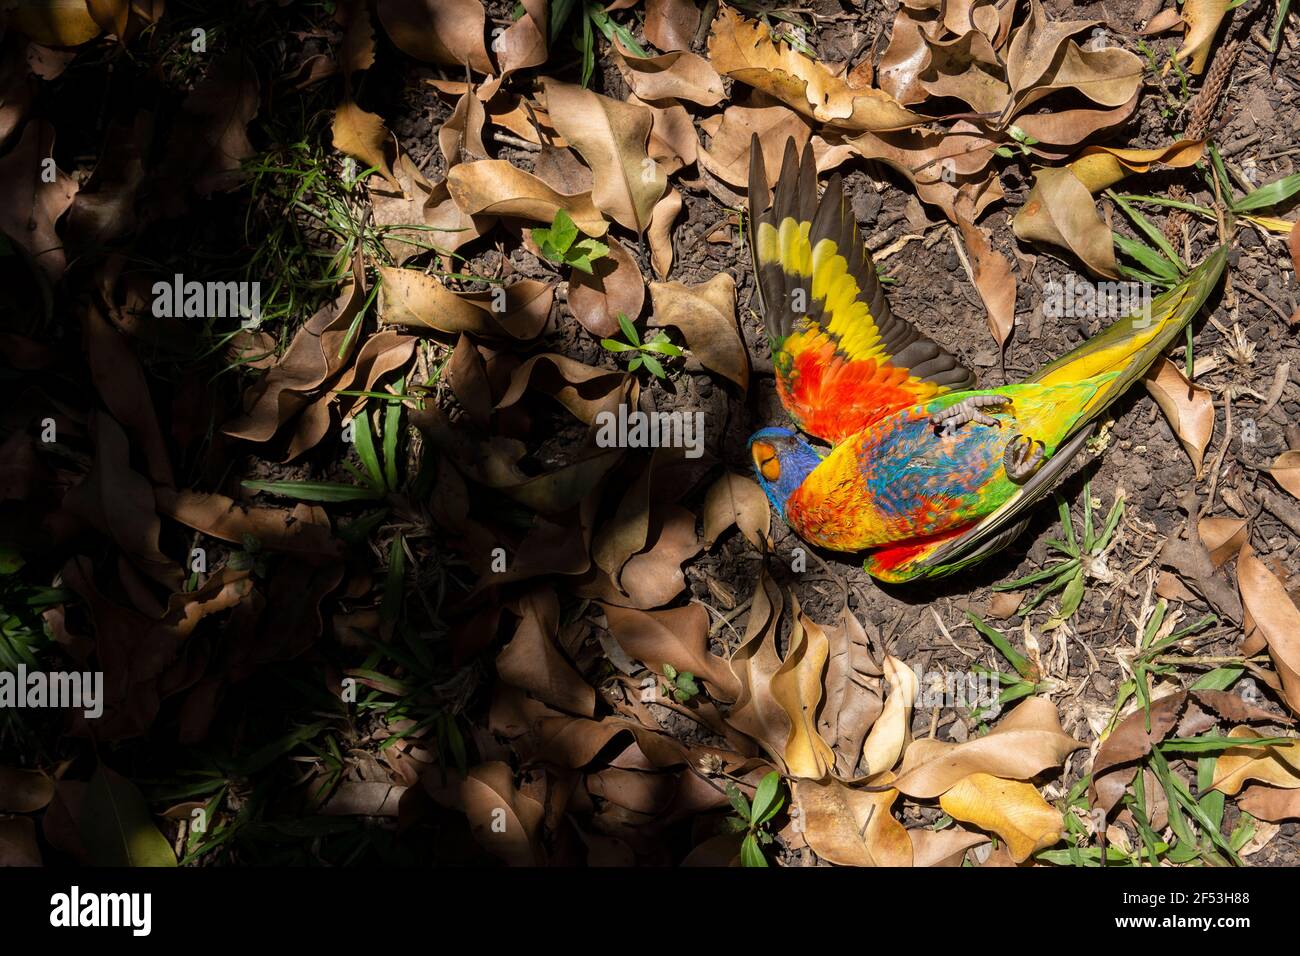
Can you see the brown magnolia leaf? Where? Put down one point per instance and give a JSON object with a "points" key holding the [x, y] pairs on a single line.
{"points": [[55, 22], [1069, 127], [505, 821], [1222, 537], [737, 500], [660, 232], [30, 206], [303, 530], [1166, 19], [727, 155], [706, 315], [357, 51], [908, 54], [745, 50], [1286, 466], [461, 137], [584, 390], [405, 206], [1188, 407], [679, 75], [533, 661], [611, 137], [24, 791], [671, 24], [852, 705], [1099, 167], [496, 188], [673, 142], [678, 636], [993, 279], [1015, 811], [1059, 211], [653, 577], [1270, 803], [614, 285], [411, 298], [1025, 742], [945, 847], [210, 142], [851, 827], [523, 43], [796, 686], [1276, 619], [18, 845], [1277, 766], [1202, 18], [364, 136], [892, 730], [451, 32]]}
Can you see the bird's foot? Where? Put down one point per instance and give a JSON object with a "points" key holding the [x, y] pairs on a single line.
{"points": [[966, 411], [1023, 457]]}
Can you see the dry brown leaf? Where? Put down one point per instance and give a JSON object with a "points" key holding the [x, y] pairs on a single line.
{"points": [[1202, 18], [505, 821], [671, 24], [18, 845], [55, 22], [461, 137], [615, 285], [678, 636], [727, 155], [1025, 742], [1286, 466], [1059, 211], [1276, 619], [303, 530], [611, 137], [679, 75], [364, 136], [1099, 167], [411, 298], [532, 661], [892, 730], [1270, 803], [706, 315], [1015, 811], [1188, 407], [451, 32], [660, 232], [737, 500], [24, 791], [945, 847], [523, 43], [851, 827], [494, 187], [1277, 766], [745, 50], [29, 206], [584, 390], [1223, 537], [653, 577], [993, 278]]}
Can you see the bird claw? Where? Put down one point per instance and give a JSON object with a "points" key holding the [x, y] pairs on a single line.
{"points": [[966, 411], [1023, 457]]}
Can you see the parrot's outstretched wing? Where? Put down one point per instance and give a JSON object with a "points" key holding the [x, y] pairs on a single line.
{"points": [[842, 360], [1129, 346]]}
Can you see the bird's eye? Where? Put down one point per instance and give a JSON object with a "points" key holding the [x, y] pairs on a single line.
{"points": [[765, 460]]}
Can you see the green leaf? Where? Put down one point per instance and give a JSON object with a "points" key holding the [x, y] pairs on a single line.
{"points": [[1269, 195], [390, 607], [117, 828], [670, 672], [313, 490], [739, 801], [1160, 268], [635, 364], [653, 365], [662, 346], [614, 345], [392, 431], [1221, 678], [1149, 230], [365, 443], [559, 14], [998, 640], [750, 854], [629, 330], [563, 231], [764, 795]]}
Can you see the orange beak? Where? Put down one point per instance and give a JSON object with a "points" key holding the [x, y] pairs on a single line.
{"points": [[765, 460]]}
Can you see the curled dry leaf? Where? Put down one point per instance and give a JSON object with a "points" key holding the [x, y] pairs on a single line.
{"points": [[735, 499], [1027, 741], [1015, 811], [851, 827], [1286, 468], [451, 32], [678, 636], [706, 315], [993, 278], [1222, 537], [1202, 18], [611, 136], [303, 530], [892, 730], [494, 187], [727, 155], [54, 22], [523, 43], [584, 390], [614, 285], [1059, 211], [679, 75], [24, 791], [30, 206], [532, 661], [660, 233], [1275, 618], [1188, 407], [1099, 167], [652, 577], [671, 24], [503, 819], [411, 298], [1270, 803], [461, 137], [745, 50], [1277, 766]]}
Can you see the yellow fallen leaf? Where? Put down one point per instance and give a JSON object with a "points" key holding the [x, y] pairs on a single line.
{"points": [[1013, 810], [1188, 407], [493, 187], [1275, 618], [1059, 211], [54, 22], [1099, 167], [1203, 18], [1277, 766], [892, 729], [1286, 471], [364, 136], [851, 827], [797, 687]]}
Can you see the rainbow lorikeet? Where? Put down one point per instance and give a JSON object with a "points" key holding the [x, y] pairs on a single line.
{"points": [[926, 472]]}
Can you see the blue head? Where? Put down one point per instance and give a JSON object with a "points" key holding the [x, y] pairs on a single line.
{"points": [[782, 460]]}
